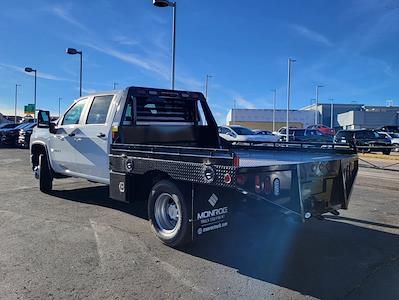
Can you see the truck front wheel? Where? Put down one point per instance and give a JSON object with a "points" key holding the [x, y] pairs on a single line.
{"points": [[169, 214], [42, 172]]}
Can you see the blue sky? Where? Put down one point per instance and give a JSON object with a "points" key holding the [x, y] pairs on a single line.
{"points": [[351, 47]]}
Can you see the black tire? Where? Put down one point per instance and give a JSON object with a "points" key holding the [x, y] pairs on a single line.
{"points": [[45, 176], [386, 152], [165, 193]]}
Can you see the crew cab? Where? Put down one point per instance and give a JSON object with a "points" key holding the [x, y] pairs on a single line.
{"points": [[163, 146]]}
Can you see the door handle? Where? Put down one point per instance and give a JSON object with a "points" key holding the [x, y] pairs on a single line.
{"points": [[60, 137], [71, 134], [101, 135]]}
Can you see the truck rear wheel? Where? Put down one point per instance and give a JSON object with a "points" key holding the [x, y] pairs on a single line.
{"points": [[43, 172], [169, 214]]}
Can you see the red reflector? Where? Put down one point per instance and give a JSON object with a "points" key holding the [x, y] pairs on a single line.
{"points": [[236, 161], [257, 183], [268, 185], [241, 179], [227, 178]]}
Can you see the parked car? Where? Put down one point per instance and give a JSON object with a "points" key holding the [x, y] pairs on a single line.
{"points": [[322, 128], [9, 136], [24, 135], [389, 128], [366, 139], [7, 125], [239, 134], [394, 137], [307, 135], [262, 132]]}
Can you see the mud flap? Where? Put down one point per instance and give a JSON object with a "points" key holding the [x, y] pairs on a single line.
{"points": [[119, 187], [211, 208]]}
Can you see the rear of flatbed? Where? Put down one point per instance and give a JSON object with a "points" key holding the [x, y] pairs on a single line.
{"points": [[166, 149], [310, 183]]}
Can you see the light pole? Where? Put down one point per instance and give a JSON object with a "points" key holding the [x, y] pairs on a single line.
{"points": [[115, 84], [332, 113], [165, 3], [290, 61], [274, 108], [29, 70], [316, 115], [206, 85], [16, 99], [59, 107], [73, 51]]}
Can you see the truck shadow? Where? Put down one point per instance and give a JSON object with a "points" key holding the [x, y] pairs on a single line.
{"points": [[326, 259], [98, 195]]}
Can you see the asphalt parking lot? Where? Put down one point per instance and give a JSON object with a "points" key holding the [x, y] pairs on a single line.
{"points": [[77, 244]]}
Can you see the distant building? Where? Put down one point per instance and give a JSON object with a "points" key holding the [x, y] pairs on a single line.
{"points": [[263, 118], [355, 115], [368, 119], [325, 111]]}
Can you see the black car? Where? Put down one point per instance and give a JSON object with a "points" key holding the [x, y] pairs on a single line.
{"points": [[366, 139], [7, 126], [389, 128], [307, 135], [9, 136], [24, 135]]}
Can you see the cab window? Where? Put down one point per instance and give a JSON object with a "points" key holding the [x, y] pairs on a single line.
{"points": [[99, 109], [74, 113]]}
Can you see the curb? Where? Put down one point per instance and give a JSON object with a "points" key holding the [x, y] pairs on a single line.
{"points": [[380, 156]]}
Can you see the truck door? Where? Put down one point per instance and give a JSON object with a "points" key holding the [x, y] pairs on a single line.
{"points": [[62, 143], [92, 139]]}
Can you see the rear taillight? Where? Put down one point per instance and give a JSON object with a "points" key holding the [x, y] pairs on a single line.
{"points": [[227, 178], [236, 161], [241, 179], [257, 184], [268, 185]]}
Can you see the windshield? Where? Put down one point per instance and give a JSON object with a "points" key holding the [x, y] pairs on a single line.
{"points": [[242, 131], [313, 133]]}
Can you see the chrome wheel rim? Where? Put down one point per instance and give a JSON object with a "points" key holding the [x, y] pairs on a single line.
{"points": [[167, 213]]}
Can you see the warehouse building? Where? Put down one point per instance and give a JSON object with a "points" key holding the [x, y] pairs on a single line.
{"points": [[325, 110], [355, 115], [263, 118], [368, 119]]}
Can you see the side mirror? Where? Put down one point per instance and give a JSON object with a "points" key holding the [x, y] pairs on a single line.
{"points": [[43, 121]]}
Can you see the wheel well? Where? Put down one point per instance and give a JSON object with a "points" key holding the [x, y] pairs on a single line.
{"points": [[149, 179], [36, 150]]}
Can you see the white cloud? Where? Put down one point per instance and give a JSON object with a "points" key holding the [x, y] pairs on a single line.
{"points": [[130, 58], [124, 40], [245, 103], [311, 35], [63, 13], [40, 74]]}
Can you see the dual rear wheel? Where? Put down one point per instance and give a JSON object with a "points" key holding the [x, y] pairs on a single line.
{"points": [[169, 214]]}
